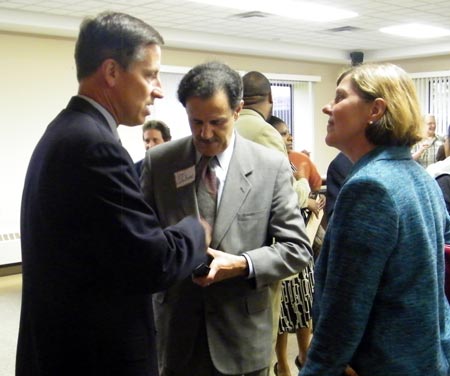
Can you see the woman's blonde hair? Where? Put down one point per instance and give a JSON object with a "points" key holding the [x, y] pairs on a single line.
{"points": [[401, 123]]}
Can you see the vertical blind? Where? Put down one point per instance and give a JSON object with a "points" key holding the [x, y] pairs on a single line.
{"points": [[294, 103], [434, 97], [282, 95]]}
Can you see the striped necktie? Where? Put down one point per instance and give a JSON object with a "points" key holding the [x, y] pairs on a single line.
{"points": [[207, 189]]}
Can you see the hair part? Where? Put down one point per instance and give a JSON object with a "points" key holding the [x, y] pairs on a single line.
{"points": [[160, 126], [401, 123], [112, 35], [205, 80]]}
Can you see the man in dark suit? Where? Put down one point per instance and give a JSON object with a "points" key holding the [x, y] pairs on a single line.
{"points": [[93, 251], [221, 323], [337, 172]]}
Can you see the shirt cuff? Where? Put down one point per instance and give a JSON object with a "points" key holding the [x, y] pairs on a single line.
{"points": [[251, 269]]}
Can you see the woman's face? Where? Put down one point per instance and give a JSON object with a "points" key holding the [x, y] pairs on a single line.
{"points": [[349, 116]]}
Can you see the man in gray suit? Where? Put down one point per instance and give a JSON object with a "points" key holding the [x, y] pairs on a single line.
{"points": [[221, 323]]}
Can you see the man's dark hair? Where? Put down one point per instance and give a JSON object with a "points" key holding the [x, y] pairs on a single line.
{"points": [[160, 126], [206, 79], [112, 35], [256, 87]]}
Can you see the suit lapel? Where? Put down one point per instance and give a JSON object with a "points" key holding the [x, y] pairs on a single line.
{"points": [[186, 195], [236, 189]]}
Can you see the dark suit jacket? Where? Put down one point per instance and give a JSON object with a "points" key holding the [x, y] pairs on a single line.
{"points": [[258, 214], [93, 252], [337, 171]]}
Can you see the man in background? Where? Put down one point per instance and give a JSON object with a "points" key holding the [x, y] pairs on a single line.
{"points": [[252, 123], [93, 251], [337, 172], [154, 132], [425, 151], [221, 323]]}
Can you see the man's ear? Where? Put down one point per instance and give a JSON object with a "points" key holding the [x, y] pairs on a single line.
{"points": [[110, 71], [378, 109], [238, 109], [270, 98]]}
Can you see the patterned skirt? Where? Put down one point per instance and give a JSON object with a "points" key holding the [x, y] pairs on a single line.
{"points": [[296, 301]]}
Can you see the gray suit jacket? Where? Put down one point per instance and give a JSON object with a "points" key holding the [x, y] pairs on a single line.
{"points": [[258, 215]]}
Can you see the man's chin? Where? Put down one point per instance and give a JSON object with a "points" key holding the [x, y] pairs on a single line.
{"points": [[205, 149]]}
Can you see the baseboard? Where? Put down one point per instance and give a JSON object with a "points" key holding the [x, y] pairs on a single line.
{"points": [[10, 269]]}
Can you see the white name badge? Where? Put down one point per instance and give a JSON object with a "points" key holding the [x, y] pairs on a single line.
{"points": [[184, 177]]}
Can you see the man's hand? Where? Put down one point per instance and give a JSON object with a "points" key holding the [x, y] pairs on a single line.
{"points": [[349, 371], [223, 266]]}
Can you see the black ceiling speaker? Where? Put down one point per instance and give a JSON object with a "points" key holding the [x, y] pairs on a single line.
{"points": [[357, 58]]}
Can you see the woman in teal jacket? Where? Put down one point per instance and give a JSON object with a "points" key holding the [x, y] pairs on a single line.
{"points": [[379, 305]]}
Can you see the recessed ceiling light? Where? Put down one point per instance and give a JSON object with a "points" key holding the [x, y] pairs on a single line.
{"points": [[285, 8], [417, 31]]}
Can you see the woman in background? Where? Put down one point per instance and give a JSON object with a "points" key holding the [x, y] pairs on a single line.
{"points": [[296, 291], [379, 304]]}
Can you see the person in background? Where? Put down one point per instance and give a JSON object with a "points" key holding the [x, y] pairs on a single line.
{"points": [[252, 124], [425, 152], [93, 251], [297, 291], [337, 172], [370, 308], [443, 166], [154, 132], [302, 165], [441, 172], [221, 323]]}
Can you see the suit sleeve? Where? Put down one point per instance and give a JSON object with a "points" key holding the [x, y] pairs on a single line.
{"points": [[290, 251], [138, 253]]}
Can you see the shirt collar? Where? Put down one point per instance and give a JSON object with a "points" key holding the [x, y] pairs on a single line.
{"points": [[109, 118]]}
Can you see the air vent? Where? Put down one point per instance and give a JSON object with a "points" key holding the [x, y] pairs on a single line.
{"points": [[344, 28], [252, 14], [9, 236]]}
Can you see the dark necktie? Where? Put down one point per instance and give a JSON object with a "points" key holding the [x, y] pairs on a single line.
{"points": [[206, 189]]}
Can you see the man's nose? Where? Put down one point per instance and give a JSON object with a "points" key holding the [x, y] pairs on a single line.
{"points": [[206, 132], [157, 92]]}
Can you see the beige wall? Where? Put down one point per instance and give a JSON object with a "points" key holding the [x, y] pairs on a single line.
{"points": [[430, 64], [38, 77]]}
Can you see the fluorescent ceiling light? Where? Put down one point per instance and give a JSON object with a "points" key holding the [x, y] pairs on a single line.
{"points": [[417, 31], [285, 8]]}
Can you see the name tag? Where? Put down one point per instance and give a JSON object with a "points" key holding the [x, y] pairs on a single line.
{"points": [[185, 177]]}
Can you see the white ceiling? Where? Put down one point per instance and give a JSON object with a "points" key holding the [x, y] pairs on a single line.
{"points": [[189, 25]]}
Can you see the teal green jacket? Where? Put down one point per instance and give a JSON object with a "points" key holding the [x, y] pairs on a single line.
{"points": [[379, 303]]}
